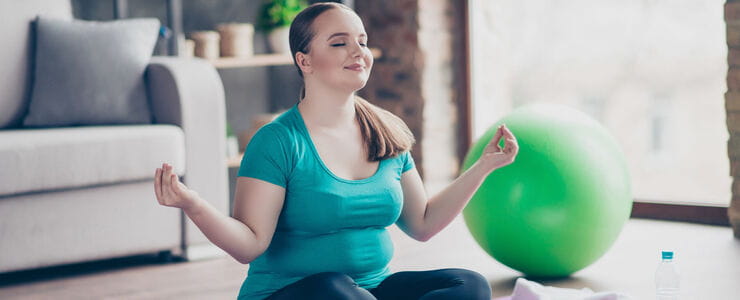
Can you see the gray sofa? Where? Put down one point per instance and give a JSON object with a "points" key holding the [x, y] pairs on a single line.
{"points": [[82, 193]]}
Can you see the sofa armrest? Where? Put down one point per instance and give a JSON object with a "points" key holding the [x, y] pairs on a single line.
{"points": [[189, 93]]}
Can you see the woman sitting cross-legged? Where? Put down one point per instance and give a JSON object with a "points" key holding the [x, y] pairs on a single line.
{"points": [[318, 186]]}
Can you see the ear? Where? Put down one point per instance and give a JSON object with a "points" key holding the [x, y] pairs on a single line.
{"points": [[304, 62]]}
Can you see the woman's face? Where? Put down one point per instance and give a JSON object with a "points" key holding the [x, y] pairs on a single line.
{"points": [[338, 53]]}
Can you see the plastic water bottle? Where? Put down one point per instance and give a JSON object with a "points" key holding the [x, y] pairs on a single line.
{"points": [[666, 278]]}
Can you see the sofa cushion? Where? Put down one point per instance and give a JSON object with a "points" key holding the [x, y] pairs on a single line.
{"points": [[50, 159], [91, 72], [17, 53]]}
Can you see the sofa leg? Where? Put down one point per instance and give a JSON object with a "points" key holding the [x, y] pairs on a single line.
{"points": [[166, 257]]}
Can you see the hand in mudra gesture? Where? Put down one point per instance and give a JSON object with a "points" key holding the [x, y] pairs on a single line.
{"points": [[170, 191], [494, 156]]}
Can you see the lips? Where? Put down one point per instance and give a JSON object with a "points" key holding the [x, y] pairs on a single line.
{"points": [[355, 67]]}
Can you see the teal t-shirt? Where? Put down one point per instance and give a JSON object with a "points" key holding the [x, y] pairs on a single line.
{"points": [[327, 223]]}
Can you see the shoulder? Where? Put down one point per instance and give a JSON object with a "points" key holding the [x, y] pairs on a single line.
{"points": [[274, 130], [403, 161], [407, 161], [272, 136], [285, 124], [281, 128]]}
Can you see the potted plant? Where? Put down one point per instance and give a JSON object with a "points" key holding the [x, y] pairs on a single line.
{"points": [[275, 18]]}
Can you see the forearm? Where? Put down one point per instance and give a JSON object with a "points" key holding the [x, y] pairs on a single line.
{"points": [[229, 234], [442, 208]]}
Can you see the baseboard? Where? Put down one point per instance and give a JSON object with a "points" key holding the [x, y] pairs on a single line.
{"points": [[203, 252]]}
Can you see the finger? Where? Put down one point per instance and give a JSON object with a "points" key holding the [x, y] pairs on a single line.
{"points": [[514, 148], [158, 184], [510, 145], [514, 144], [163, 183], [497, 137], [167, 180], [175, 184], [510, 141], [508, 133]]}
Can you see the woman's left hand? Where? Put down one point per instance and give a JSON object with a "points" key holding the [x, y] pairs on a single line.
{"points": [[494, 156]]}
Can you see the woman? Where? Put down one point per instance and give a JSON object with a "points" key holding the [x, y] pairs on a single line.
{"points": [[318, 186]]}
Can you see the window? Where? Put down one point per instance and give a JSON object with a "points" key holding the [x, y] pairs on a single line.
{"points": [[651, 71]]}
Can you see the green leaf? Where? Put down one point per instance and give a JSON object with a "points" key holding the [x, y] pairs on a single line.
{"points": [[278, 13]]}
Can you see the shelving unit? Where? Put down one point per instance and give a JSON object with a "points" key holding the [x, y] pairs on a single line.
{"points": [[175, 24], [260, 60]]}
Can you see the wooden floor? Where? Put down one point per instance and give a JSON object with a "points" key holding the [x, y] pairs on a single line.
{"points": [[708, 258]]}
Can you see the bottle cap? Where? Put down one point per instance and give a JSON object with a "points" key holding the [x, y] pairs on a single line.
{"points": [[667, 254]]}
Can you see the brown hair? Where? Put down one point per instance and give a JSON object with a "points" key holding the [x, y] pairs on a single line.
{"points": [[384, 134]]}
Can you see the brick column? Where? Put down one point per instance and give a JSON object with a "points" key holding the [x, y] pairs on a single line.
{"points": [[441, 38], [732, 105], [395, 83]]}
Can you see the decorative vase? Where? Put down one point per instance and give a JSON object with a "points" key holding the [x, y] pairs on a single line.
{"points": [[279, 40], [206, 44], [236, 39]]}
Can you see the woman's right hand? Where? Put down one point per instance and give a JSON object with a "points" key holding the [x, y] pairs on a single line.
{"points": [[171, 192]]}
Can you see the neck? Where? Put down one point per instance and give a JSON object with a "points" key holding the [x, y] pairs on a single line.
{"points": [[327, 107]]}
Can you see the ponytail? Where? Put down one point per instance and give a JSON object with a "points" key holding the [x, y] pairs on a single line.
{"points": [[385, 135]]}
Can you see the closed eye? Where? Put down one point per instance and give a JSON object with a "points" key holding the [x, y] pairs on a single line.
{"points": [[344, 44]]}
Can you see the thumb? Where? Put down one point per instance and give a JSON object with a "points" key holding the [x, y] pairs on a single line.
{"points": [[176, 188]]}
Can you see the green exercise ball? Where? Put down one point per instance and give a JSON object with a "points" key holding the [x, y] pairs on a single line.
{"points": [[563, 201]]}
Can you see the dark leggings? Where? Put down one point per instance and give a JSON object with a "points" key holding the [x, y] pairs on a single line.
{"points": [[427, 285]]}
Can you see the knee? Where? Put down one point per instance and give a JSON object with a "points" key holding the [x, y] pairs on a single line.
{"points": [[474, 282], [472, 276]]}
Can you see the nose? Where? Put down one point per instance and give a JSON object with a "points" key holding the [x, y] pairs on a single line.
{"points": [[356, 50]]}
